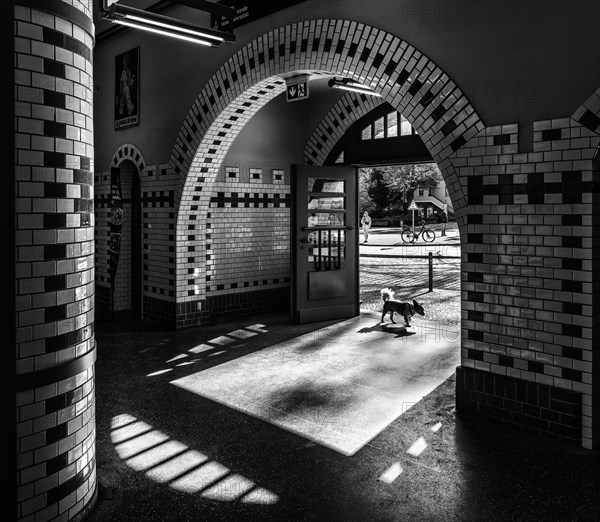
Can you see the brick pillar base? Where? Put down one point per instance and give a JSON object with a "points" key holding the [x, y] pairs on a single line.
{"points": [[526, 406]]}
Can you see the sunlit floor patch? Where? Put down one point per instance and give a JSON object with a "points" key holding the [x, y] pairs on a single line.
{"points": [[167, 461], [417, 448], [201, 348], [221, 340], [160, 372], [339, 386], [436, 427], [391, 474], [242, 334]]}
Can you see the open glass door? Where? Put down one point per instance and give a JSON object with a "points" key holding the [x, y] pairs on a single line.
{"points": [[324, 283]]}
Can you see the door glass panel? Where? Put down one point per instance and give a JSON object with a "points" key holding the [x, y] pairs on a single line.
{"points": [[326, 219], [327, 213], [326, 185], [326, 248]]}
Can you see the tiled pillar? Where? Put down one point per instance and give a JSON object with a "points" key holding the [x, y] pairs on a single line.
{"points": [[54, 259], [529, 279]]}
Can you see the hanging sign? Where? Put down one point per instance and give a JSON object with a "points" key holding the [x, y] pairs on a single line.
{"points": [[296, 88]]}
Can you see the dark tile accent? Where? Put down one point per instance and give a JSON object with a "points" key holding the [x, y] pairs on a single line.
{"points": [[54, 99], [55, 313], [571, 286], [378, 60], [573, 353], [551, 134], [590, 120], [55, 221], [351, 51], [55, 252], [475, 238], [438, 112], [476, 336], [475, 277], [55, 129], [572, 308], [55, 190], [475, 297], [427, 99], [572, 330], [56, 433], [390, 68], [502, 139], [474, 219], [414, 88], [571, 242], [504, 360], [536, 367], [365, 54], [458, 143], [57, 282], [315, 44], [473, 257], [327, 46], [475, 355], [448, 127], [572, 375], [402, 77], [474, 315]]}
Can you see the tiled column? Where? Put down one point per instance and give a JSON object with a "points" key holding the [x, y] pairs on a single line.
{"points": [[529, 279], [54, 265]]}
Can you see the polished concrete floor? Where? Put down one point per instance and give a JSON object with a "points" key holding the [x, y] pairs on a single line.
{"points": [[255, 419]]}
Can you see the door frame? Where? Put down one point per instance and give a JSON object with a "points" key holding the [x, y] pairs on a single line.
{"points": [[295, 248]]}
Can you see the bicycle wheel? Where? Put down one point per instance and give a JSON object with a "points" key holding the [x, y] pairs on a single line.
{"points": [[428, 235], [407, 235]]}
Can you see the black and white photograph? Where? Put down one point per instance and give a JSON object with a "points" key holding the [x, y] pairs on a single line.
{"points": [[344, 267]]}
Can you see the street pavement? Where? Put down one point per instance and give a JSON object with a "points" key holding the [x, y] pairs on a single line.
{"points": [[387, 261]]}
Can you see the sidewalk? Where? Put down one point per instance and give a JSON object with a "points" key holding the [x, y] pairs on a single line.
{"points": [[385, 242]]}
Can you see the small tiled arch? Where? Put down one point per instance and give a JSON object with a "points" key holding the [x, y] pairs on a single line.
{"points": [[401, 74], [347, 110], [130, 152]]}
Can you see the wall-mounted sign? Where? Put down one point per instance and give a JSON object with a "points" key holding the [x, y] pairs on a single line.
{"points": [[127, 89], [296, 88], [247, 11]]}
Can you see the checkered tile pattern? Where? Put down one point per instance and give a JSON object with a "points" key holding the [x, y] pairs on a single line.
{"points": [[54, 259]]}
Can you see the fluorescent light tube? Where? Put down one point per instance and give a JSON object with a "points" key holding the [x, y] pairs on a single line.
{"points": [[349, 85]]}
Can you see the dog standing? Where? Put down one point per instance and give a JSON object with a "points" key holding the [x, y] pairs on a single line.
{"points": [[391, 305]]}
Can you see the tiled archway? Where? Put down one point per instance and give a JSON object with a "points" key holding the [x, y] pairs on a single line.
{"points": [[346, 111], [404, 77]]}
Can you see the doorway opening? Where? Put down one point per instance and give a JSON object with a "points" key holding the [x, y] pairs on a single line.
{"points": [[412, 246]]}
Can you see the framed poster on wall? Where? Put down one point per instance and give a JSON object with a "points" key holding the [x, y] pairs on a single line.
{"points": [[127, 89]]}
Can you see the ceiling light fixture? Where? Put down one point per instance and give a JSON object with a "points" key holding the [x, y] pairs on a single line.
{"points": [[165, 25], [350, 85]]}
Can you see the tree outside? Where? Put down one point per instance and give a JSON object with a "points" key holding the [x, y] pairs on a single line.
{"points": [[386, 191]]}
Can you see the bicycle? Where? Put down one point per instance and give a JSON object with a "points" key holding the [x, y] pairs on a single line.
{"points": [[427, 234]]}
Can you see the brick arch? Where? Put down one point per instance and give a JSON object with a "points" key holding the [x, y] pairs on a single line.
{"points": [[400, 73], [130, 152], [347, 110]]}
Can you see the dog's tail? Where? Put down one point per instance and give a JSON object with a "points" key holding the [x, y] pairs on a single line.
{"points": [[387, 293]]}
